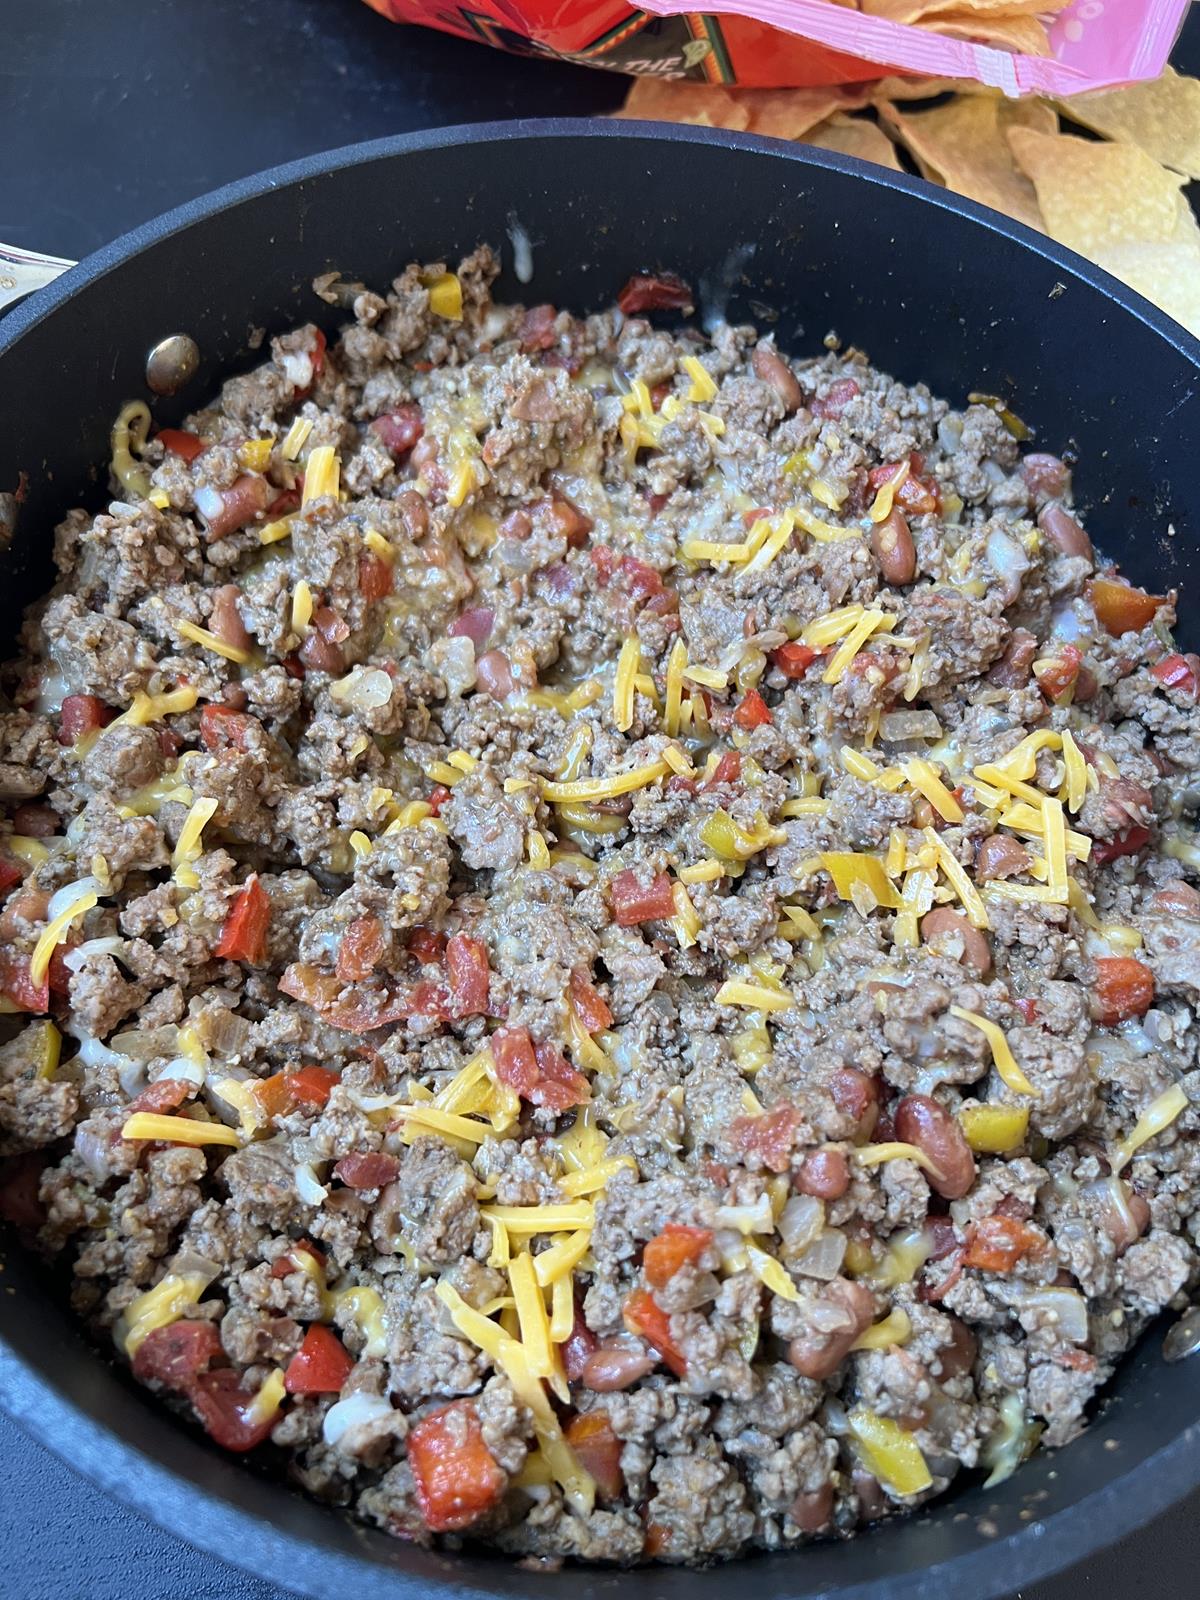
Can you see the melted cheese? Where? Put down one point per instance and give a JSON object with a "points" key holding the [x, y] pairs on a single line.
{"points": [[322, 475], [753, 996], [853, 643], [605, 788], [55, 931], [1159, 1114]]}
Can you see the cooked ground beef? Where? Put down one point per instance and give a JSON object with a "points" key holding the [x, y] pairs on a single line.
{"points": [[600, 938]]}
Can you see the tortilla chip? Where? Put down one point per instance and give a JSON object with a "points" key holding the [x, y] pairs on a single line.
{"points": [[1161, 117], [670, 100], [791, 113], [854, 136], [1167, 274], [1095, 196], [962, 144], [1022, 35], [924, 88]]}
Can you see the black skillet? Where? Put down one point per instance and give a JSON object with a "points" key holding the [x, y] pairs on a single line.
{"points": [[935, 289]]}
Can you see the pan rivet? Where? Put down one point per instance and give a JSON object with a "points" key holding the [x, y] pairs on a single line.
{"points": [[1184, 1338], [172, 363]]}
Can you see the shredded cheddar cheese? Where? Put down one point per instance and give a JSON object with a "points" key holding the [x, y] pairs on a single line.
{"points": [[210, 641], [1002, 1056], [852, 644], [296, 438], [586, 789], [322, 475], [177, 1130], [923, 777], [623, 684], [1159, 1114], [873, 1155]]}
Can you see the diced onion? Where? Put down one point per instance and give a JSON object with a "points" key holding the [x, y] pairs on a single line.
{"points": [[897, 726], [363, 689], [1064, 1309], [308, 1186], [823, 1258], [801, 1222], [183, 1068], [209, 502], [75, 958], [352, 1412], [62, 899]]}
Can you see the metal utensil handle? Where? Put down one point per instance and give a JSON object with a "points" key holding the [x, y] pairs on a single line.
{"points": [[23, 271]]}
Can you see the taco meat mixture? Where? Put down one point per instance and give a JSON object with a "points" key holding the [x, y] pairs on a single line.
{"points": [[599, 930]]}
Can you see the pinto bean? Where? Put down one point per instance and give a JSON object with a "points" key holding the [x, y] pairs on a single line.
{"points": [[811, 1510], [856, 1096], [494, 673], [825, 1174], [893, 548], [943, 922], [319, 652], [1177, 899], [1000, 856], [1064, 533], [922, 1121], [819, 1352], [770, 366], [612, 1367]]}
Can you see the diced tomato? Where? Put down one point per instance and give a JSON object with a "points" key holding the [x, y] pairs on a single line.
{"points": [[590, 1005], [578, 1347], [320, 345], [605, 562], [1123, 988], [644, 1316], [1058, 676], [794, 660], [20, 1180], [836, 398], [769, 1136], [749, 518], [633, 902], [599, 1451], [293, 666], [538, 1072], [1120, 607], [80, 714], [1125, 844], [727, 770], [16, 983], [222, 1406], [475, 623], [658, 1537], [1181, 673], [222, 728], [311, 1085], [367, 1169], [664, 291], [639, 580], [753, 711], [360, 949], [1028, 1008], [361, 1012], [289, 1260], [426, 945], [374, 576], [320, 1366], [162, 1096], [244, 936], [454, 1474], [468, 973], [997, 1243], [176, 1355], [10, 872], [438, 798], [678, 1245], [917, 495], [399, 430], [181, 443], [285, 502]]}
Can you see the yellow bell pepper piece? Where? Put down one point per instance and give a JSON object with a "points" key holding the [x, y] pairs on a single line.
{"points": [[890, 1454], [993, 1130]]}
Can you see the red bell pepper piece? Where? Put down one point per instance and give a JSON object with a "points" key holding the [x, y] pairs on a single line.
{"points": [[752, 712], [320, 1366], [454, 1473], [244, 936], [181, 443], [643, 1315]]}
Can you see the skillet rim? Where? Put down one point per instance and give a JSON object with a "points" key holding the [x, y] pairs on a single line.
{"points": [[213, 1521]]}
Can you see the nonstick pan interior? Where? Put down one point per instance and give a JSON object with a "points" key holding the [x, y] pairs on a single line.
{"points": [[934, 289]]}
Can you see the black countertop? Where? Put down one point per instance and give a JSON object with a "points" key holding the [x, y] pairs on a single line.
{"points": [[112, 111]]}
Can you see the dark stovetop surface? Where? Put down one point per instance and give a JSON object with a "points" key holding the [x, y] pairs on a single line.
{"points": [[109, 113]]}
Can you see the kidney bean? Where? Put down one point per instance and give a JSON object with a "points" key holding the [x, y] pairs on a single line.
{"points": [[893, 548], [516, 525], [922, 1121], [856, 1096], [1064, 533], [318, 652], [811, 1510], [976, 952], [958, 1357], [825, 1174], [1124, 1226], [36, 822], [1046, 477], [1177, 899], [226, 620], [239, 504], [494, 674], [1000, 856], [872, 1502], [818, 1354], [414, 512], [613, 1367], [770, 366]]}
